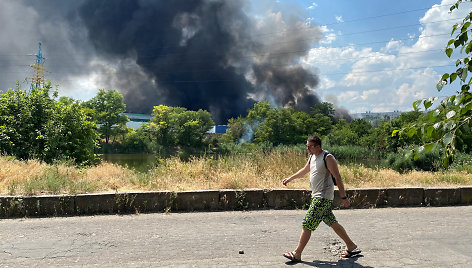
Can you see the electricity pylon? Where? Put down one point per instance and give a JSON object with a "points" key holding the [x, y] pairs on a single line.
{"points": [[38, 70]]}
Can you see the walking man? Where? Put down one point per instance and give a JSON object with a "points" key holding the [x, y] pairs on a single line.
{"points": [[322, 187]]}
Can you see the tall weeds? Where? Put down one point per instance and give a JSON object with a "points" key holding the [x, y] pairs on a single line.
{"points": [[257, 169]]}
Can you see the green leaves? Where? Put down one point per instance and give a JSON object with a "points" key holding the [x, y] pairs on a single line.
{"points": [[465, 26], [417, 104], [455, 111], [450, 114], [177, 126], [464, 73], [429, 102], [447, 138], [428, 147], [449, 51], [107, 107], [440, 85], [395, 132], [445, 77], [37, 126], [411, 132]]}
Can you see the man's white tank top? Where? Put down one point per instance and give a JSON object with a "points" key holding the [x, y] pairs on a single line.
{"points": [[320, 179]]}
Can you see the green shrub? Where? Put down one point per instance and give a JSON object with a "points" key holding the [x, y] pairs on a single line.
{"points": [[403, 161], [462, 162], [399, 162], [353, 152]]}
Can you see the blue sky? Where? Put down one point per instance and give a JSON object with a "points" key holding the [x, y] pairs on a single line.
{"points": [[380, 55], [376, 56]]}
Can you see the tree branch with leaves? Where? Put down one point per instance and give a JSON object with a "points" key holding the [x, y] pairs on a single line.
{"points": [[453, 116]]}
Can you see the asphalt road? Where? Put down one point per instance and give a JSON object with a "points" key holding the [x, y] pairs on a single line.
{"points": [[389, 237]]}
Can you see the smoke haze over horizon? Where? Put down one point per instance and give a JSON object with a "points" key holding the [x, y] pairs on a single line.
{"points": [[223, 55], [199, 54]]}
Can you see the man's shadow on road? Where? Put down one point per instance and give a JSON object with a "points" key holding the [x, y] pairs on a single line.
{"points": [[351, 262]]}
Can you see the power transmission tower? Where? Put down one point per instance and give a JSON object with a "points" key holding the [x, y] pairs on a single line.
{"points": [[37, 81]]}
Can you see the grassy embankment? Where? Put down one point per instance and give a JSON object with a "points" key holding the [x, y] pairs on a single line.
{"points": [[237, 171]]}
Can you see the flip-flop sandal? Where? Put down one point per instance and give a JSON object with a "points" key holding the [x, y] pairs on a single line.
{"points": [[350, 254], [291, 257]]}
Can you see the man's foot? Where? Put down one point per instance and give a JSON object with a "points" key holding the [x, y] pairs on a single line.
{"points": [[351, 253], [291, 257]]}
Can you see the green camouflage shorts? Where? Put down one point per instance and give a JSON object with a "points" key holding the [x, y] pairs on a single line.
{"points": [[321, 209]]}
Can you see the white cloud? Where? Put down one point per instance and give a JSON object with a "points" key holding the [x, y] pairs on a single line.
{"points": [[348, 95], [313, 5], [308, 21], [331, 59], [393, 76], [393, 45], [339, 18], [326, 83], [369, 93], [328, 35]]}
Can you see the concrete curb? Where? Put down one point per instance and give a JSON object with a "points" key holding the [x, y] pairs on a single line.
{"points": [[218, 200]]}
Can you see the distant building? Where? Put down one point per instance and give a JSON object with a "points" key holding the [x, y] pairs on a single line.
{"points": [[370, 115], [136, 120], [220, 129]]}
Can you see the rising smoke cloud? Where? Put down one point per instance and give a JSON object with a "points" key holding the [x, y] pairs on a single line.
{"points": [[199, 54]]}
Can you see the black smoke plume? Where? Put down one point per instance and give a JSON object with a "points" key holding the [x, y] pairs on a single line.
{"points": [[202, 54]]}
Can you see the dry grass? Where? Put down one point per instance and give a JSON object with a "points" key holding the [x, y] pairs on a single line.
{"points": [[255, 170]]}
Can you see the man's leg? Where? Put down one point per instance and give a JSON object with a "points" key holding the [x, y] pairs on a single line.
{"points": [[304, 238], [310, 222], [339, 230]]}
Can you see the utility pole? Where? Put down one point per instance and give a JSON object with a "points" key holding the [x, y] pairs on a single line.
{"points": [[37, 81]]}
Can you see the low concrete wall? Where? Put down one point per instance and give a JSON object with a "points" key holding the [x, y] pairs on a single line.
{"points": [[165, 201], [442, 196]]}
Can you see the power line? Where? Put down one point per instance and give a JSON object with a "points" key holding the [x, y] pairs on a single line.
{"points": [[393, 70], [141, 56], [272, 54], [282, 42], [281, 53], [289, 64], [363, 72], [388, 14], [358, 19], [397, 27]]}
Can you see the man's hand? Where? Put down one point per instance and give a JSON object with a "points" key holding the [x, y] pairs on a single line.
{"points": [[285, 181], [346, 202]]}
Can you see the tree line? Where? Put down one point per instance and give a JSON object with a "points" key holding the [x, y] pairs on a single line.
{"points": [[40, 125]]}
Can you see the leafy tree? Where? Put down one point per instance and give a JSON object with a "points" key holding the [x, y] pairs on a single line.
{"points": [[161, 126], [235, 131], [361, 127], [36, 126], [454, 114], [260, 112], [176, 126], [106, 108], [326, 109], [322, 125], [23, 121], [120, 132], [342, 134], [138, 140], [276, 126], [288, 126], [70, 134], [191, 126]]}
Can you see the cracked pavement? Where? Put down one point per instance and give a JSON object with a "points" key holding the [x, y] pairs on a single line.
{"points": [[389, 237]]}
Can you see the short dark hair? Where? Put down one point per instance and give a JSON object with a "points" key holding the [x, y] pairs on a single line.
{"points": [[315, 139]]}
